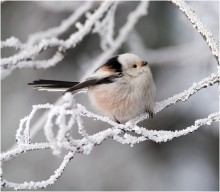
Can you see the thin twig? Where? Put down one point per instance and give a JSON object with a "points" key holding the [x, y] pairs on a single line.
{"points": [[201, 28]]}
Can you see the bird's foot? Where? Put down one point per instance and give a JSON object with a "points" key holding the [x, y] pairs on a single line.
{"points": [[150, 113]]}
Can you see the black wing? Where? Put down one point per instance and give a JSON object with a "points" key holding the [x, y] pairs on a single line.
{"points": [[93, 82]]}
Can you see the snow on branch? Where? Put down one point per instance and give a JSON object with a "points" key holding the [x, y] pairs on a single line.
{"points": [[40, 184], [86, 145], [201, 28], [26, 56], [105, 28], [13, 42], [184, 96], [118, 132]]}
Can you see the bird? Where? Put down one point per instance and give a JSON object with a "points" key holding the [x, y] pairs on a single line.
{"points": [[122, 88]]}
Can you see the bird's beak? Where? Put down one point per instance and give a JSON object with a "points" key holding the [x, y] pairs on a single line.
{"points": [[144, 63]]}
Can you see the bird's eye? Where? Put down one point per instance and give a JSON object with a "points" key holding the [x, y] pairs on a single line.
{"points": [[134, 66]]}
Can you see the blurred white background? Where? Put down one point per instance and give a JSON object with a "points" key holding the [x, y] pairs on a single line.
{"points": [[190, 162]]}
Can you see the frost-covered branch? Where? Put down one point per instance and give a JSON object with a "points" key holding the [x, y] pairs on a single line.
{"points": [[118, 132], [25, 55], [85, 146], [105, 28], [23, 148], [25, 58], [40, 184], [12, 42], [184, 96], [201, 28]]}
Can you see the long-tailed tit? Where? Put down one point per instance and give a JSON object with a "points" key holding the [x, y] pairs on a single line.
{"points": [[122, 88]]}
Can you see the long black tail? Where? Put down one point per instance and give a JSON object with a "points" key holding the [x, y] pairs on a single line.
{"points": [[52, 85]]}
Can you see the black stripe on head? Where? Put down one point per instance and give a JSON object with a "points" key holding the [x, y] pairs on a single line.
{"points": [[114, 64]]}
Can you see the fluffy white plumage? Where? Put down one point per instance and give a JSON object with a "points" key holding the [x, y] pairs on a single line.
{"points": [[122, 88], [130, 95]]}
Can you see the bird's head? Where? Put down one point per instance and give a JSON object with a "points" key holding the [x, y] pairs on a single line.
{"points": [[132, 64]]}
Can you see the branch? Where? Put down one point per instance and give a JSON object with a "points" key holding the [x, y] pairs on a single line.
{"points": [[201, 28], [24, 126], [22, 148], [40, 184], [13, 42], [85, 145], [183, 96], [32, 51]]}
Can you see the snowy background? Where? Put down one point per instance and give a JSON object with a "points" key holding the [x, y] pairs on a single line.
{"points": [[178, 57]]}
